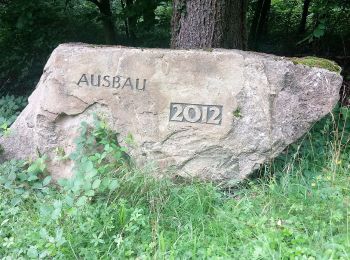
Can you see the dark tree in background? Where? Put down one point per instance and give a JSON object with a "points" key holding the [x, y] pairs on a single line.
{"points": [[209, 23], [30, 30], [104, 7], [139, 15], [131, 19], [260, 22], [302, 26], [148, 14]]}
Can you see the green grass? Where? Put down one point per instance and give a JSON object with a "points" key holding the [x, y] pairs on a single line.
{"points": [[297, 209]]}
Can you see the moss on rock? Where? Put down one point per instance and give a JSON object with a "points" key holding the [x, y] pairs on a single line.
{"points": [[318, 63]]}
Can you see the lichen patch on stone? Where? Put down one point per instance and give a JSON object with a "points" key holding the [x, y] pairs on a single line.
{"points": [[322, 63]]}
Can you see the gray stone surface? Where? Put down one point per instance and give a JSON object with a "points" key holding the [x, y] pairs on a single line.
{"points": [[216, 115]]}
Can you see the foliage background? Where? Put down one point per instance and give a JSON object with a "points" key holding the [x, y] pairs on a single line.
{"points": [[30, 30]]}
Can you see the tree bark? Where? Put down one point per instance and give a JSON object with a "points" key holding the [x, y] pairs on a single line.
{"points": [[125, 19], [259, 23], [302, 26], [109, 31], [209, 24], [148, 14], [131, 18], [104, 7]]}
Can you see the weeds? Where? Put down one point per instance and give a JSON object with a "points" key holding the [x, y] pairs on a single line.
{"points": [[298, 208], [10, 107]]}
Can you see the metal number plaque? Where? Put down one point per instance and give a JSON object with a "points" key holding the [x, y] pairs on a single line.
{"points": [[194, 113]]}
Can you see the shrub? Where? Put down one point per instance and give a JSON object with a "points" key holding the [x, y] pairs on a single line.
{"points": [[10, 107]]}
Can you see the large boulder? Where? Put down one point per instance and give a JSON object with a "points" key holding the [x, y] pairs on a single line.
{"points": [[217, 115]]}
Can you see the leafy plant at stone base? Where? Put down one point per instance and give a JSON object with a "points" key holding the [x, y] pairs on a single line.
{"points": [[10, 107], [19, 176], [101, 164], [300, 211], [99, 159], [24, 178]]}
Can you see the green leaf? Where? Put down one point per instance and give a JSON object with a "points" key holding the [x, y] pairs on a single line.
{"points": [[96, 184], [62, 182], [81, 201], [113, 185], [118, 155], [32, 177], [69, 200], [318, 32], [47, 180], [37, 185], [32, 252], [12, 176], [90, 193], [56, 213], [87, 165], [90, 174]]}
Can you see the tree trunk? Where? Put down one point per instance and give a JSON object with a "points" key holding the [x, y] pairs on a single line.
{"points": [[148, 14], [109, 30], [259, 23], [209, 23], [125, 19], [107, 21], [302, 26], [132, 19]]}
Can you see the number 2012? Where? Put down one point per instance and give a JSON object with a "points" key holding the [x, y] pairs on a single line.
{"points": [[205, 114]]}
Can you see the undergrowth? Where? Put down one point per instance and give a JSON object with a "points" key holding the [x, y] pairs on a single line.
{"points": [[297, 209], [10, 107]]}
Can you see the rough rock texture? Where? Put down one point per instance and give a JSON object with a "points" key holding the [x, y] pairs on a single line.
{"points": [[216, 115]]}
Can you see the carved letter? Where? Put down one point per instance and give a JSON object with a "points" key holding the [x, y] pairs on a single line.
{"points": [[83, 79], [144, 85], [128, 83], [116, 82], [106, 79], [98, 80]]}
